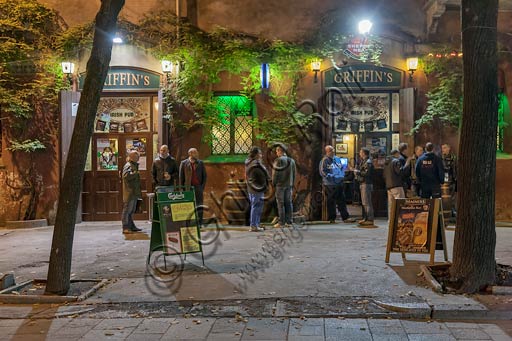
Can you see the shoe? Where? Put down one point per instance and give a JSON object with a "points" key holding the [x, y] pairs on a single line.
{"points": [[361, 221], [128, 231], [274, 221], [367, 222], [332, 221], [349, 220], [288, 225], [135, 229], [278, 226], [255, 229]]}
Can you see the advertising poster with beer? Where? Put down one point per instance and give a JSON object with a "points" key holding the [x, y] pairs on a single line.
{"points": [[177, 220], [413, 227], [411, 232]]}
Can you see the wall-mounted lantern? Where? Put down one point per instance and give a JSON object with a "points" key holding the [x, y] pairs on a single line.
{"points": [[315, 67], [412, 65], [365, 26], [68, 69]]}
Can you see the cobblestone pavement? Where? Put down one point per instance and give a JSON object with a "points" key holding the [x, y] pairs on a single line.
{"points": [[240, 328]]}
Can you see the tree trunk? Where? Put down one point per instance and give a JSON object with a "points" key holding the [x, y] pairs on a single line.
{"points": [[474, 263], [71, 187]]}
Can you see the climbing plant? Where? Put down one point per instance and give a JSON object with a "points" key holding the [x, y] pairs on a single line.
{"points": [[204, 56], [444, 99], [30, 81]]}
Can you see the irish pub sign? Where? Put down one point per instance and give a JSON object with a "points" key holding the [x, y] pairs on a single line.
{"points": [[127, 78]]}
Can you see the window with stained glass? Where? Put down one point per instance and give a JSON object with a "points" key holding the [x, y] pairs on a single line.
{"points": [[233, 133]]}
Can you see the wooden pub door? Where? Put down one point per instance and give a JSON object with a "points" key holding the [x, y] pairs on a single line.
{"points": [[102, 194]]}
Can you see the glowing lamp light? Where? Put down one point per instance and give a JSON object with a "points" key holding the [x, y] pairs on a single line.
{"points": [[315, 67], [412, 65], [365, 26], [265, 76], [68, 68], [167, 66], [117, 40]]}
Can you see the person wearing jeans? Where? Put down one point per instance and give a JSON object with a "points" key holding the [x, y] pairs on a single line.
{"points": [[332, 171], [365, 178], [257, 183], [283, 179]]}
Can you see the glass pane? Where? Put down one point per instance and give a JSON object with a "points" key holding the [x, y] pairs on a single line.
{"points": [[88, 161], [107, 150], [138, 144], [221, 143], [361, 112], [123, 114], [243, 135]]}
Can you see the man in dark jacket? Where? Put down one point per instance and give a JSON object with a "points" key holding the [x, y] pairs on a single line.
{"points": [[283, 179], [364, 175], [193, 173], [257, 183], [430, 173], [131, 191], [406, 170], [393, 177], [332, 171], [165, 168]]}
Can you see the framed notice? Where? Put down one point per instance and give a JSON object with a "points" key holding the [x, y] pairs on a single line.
{"points": [[413, 227]]}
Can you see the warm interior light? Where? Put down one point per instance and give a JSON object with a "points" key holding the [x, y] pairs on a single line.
{"points": [[412, 63], [365, 26], [68, 68], [346, 138]]}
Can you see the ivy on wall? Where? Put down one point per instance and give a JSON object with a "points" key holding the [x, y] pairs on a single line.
{"points": [[204, 56], [444, 99], [30, 81]]}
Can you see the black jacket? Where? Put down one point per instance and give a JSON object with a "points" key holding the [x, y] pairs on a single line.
{"points": [[257, 176], [186, 174], [284, 172], [393, 172], [429, 171], [160, 166], [365, 175]]}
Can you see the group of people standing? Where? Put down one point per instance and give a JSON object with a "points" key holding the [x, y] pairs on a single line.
{"points": [[421, 175], [165, 172]]}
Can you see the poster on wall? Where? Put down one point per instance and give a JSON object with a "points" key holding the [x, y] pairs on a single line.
{"points": [[370, 111], [123, 115], [107, 154]]}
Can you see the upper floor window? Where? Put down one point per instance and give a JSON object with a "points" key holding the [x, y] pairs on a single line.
{"points": [[233, 134]]}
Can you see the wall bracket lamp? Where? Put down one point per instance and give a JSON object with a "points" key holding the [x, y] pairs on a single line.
{"points": [[412, 65], [315, 67]]}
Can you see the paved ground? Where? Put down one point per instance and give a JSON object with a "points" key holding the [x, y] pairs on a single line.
{"points": [[223, 329], [321, 273]]}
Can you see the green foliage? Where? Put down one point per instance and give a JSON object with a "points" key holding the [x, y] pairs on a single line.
{"points": [[445, 95], [27, 146]]}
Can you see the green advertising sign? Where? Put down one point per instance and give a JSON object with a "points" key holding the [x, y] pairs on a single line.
{"points": [[175, 218], [363, 76], [125, 78]]}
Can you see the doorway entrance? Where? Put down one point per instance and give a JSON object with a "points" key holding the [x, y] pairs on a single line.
{"points": [[102, 192]]}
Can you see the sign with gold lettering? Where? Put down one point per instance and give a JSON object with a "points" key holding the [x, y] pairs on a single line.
{"points": [[127, 79], [363, 76]]}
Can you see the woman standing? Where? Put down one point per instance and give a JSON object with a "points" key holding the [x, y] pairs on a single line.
{"points": [[257, 183]]}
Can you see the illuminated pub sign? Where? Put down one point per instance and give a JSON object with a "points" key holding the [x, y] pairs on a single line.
{"points": [[363, 76], [124, 78]]}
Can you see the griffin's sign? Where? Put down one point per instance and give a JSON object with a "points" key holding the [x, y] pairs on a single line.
{"points": [[363, 76], [122, 79]]}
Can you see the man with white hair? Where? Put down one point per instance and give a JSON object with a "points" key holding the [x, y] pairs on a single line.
{"points": [[131, 191], [193, 173]]}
